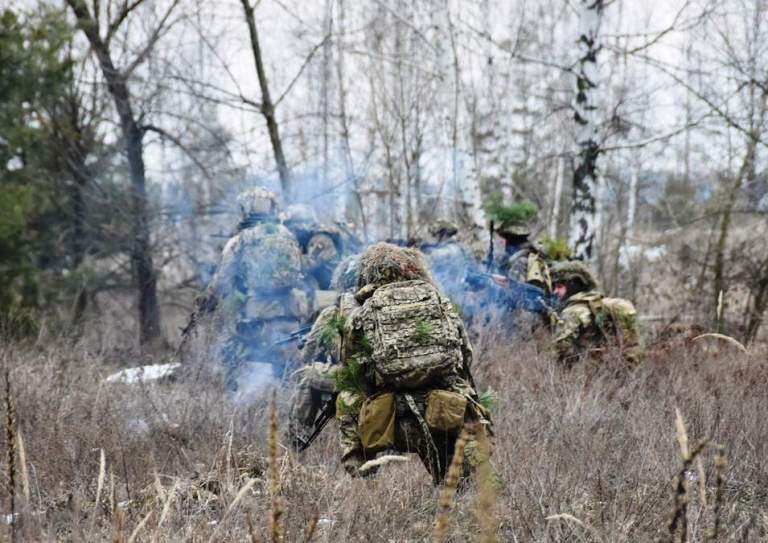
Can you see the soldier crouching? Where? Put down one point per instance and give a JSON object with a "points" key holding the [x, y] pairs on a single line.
{"points": [[405, 381]]}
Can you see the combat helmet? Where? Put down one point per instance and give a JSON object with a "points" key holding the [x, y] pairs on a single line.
{"points": [[512, 220], [384, 263], [441, 230], [299, 214], [256, 203], [575, 273], [345, 276]]}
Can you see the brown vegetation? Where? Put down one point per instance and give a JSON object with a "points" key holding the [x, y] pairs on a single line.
{"points": [[583, 455]]}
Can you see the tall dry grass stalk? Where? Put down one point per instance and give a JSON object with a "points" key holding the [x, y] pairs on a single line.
{"points": [[10, 436], [254, 538], [679, 519], [486, 491], [721, 463], [276, 506], [445, 501], [99, 487], [309, 531], [25, 488]]}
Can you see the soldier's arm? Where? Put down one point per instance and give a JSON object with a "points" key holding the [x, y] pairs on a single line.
{"points": [[569, 325], [318, 343], [222, 283]]}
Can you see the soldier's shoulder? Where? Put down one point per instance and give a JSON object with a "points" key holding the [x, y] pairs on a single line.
{"points": [[576, 309], [620, 305]]}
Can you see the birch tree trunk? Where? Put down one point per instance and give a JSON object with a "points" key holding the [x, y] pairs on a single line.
{"points": [[141, 254], [583, 219], [557, 196]]}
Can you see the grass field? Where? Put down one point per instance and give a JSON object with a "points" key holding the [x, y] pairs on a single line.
{"points": [[582, 455]]}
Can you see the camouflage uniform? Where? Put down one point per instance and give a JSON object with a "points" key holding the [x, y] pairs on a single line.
{"points": [[321, 245], [321, 353], [260, 287], [386, 270], [523, 261], [588, 321]]}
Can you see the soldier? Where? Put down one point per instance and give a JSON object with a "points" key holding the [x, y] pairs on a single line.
{"points": [[258, 289], [321, 245], [405, 383], [321, 354], [521, 260], [588, 321]]}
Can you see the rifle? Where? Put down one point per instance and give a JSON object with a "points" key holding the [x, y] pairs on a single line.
{"points": [[299, 335], [490, 257], [326, 414], [204, 306], [515, 294]]}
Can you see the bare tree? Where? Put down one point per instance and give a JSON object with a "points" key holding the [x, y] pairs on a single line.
{"points": [[132, 135], [267, 107]]}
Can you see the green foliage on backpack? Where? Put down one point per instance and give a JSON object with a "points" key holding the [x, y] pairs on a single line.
{"points": [[350, 377], [423, 331], [332, 330], [489, 400]]}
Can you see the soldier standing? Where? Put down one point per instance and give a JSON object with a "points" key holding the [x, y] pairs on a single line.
{"points": [[258, 290], [405, 381], [588, 322], [521, 260]]}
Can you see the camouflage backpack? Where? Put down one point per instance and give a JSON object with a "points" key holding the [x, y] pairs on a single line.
{"points": [[624, 318], [412, 333], [270, 258]]}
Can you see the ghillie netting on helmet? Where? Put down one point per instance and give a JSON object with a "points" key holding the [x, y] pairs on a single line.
{"points": [[386, 263]]}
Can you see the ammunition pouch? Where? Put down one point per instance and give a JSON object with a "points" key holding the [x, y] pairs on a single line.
{"points": [[445, 410], [376, 423]]}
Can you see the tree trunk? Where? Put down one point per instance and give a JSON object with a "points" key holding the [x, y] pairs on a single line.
{"points": [[557, 196], [349, 166], [141, 255], [746, 171], [267, 107], [758, 307], [583, 220]]}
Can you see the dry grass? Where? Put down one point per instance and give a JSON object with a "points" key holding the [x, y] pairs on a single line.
{"points": [[585, 455]]}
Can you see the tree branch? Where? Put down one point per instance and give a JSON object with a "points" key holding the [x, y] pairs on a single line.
{"points": [[124, 12], [173, 139], [151, 41], [301, 70]]}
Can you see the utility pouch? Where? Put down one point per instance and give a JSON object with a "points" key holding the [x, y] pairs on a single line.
{"points": [[445, 410], [376, 424]]}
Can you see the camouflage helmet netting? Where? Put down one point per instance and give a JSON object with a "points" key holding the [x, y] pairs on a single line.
{"points": [[257, 201], [384, 263], [564, 272], [346, 274]]}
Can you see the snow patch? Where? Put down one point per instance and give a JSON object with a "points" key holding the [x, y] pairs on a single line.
{"points": [[143, 374]]}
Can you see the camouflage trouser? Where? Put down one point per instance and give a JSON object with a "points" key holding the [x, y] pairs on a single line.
{"points": [[435, 451], [314, 384], [254, 342]]}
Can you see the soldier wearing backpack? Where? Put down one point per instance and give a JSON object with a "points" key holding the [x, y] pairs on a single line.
{"points": [[258, 291], [405, 383], [587, 321]]}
